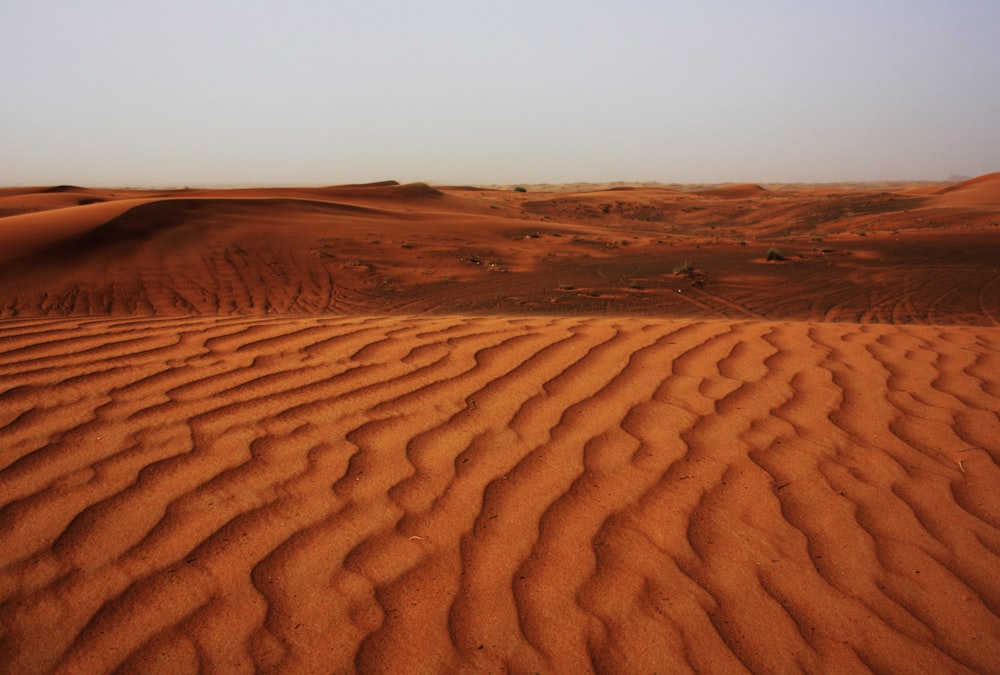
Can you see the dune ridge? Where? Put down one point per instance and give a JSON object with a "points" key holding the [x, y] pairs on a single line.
{"points": [[489, 493]]}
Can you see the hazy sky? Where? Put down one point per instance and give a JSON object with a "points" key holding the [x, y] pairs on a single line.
{"points": [[127, 92]]}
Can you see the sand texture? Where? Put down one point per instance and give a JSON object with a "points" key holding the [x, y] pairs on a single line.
{"points": [[396, 428]]}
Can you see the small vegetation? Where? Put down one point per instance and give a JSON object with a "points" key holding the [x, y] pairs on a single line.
{"points": [[520, 188], [694, 275], [774, 254]]}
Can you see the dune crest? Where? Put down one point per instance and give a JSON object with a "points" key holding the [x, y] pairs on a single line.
{"points": [[735, 191], [983, 191]]}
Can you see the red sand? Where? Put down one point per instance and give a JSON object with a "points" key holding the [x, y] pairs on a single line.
{"points": [[410, 429]]}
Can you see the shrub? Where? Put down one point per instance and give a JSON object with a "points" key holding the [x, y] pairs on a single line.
{"points": [[774, 254], [684, 268], [520, 188]]}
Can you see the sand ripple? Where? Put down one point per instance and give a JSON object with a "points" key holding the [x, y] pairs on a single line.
{"points": [[330, 494]]}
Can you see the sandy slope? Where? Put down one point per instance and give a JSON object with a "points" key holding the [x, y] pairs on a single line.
{"points": [[229, 443], [854, 256]]}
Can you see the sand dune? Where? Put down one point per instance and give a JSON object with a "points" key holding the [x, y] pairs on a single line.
{"points": [[737, 191], [384, 248], [982, 192], [386, 428]]}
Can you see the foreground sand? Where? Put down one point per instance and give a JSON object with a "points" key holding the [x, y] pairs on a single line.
{"points": [[246, 466], [524, 494]]}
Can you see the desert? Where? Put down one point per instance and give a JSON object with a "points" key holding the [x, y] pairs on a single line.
{"points": [[608, 428]]}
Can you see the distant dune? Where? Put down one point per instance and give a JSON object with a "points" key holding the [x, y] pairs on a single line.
{"points": [[413, 428], [983, 191], [894, 257], [742, 191]]}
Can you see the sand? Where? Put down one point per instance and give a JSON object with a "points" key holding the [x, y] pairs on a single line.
{"points": [[397, 428]]}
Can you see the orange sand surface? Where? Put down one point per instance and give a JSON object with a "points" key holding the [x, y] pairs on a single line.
{"points": [[402, 428]]}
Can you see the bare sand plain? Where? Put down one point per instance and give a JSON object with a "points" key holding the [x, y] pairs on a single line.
{"points": [[404, 428]]}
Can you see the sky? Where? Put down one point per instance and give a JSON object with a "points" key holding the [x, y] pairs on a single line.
{"points": [[319, 92]]}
